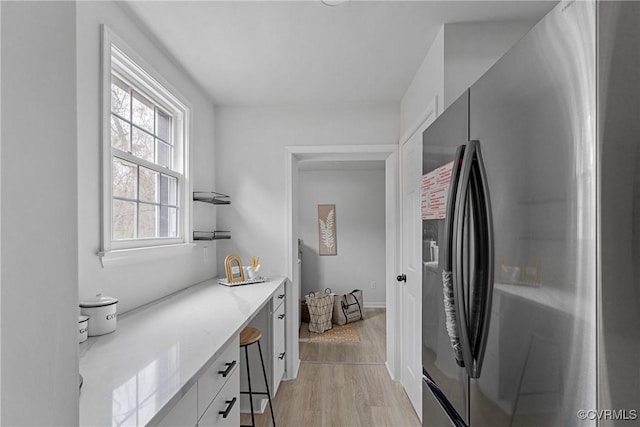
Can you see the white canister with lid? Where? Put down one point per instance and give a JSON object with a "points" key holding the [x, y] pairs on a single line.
{"points": [[102, 314], [83, 328]]}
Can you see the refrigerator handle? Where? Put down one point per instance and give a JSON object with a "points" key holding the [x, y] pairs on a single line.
{"points": [[473, 319], [485, 257], [457, 263], [446, 256]]}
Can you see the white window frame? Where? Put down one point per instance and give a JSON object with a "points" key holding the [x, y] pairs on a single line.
{"points": [[119, 58]]}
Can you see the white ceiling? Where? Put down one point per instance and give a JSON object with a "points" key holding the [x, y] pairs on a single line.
{"points": [[306, 53]]}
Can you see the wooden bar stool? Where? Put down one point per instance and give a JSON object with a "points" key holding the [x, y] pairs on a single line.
{"points": [[250, 336]]}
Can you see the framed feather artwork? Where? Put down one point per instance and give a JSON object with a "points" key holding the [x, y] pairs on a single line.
{"points": [[327, 230]]}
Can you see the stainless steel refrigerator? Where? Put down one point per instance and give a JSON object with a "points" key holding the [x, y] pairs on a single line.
{"points": [[531, 232]]}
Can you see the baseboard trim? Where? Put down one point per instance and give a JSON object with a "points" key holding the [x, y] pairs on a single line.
{"points": [[375, 305], [389, 371], [294, 374]]}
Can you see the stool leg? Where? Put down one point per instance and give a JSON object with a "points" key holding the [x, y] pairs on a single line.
{"points": [[246, 356], [264, 372]]}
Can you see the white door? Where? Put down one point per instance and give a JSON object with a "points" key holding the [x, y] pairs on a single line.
{"points": [[411, 354], [411, 271]]}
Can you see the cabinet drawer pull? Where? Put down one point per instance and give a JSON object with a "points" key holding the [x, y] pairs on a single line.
{"points": [[281, 316], [230, 404], [281, 356], [230, 367], [281, 296]]}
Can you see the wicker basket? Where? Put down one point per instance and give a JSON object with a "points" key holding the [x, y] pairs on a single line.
{"points": [[320, 311]]}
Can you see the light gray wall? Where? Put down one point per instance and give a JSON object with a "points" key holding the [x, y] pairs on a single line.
{"points": [[471, 48], [250, 145], [460, 54], [39, 261], [359, 196], [426, 88], [138, 283]]}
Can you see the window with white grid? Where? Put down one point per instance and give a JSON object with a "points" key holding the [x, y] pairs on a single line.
{"points": [[144, 156]]}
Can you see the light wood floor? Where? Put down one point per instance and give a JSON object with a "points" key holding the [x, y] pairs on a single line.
{"points": [[342, 385]]}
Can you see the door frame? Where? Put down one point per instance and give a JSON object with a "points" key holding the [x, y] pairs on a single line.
{"points": [[330, 153], [429, 116]]}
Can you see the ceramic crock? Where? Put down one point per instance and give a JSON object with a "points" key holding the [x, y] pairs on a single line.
{"points": [[102, 314]]}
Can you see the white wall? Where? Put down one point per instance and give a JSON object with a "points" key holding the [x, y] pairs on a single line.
{"points": [[426, 86], [39, 262], [139, 283], [359, 196], [471, 48], [250, 145], [0, 210]]}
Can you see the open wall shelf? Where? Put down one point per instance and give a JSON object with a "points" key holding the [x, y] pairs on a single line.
{"points": [[211, 235], [215, 199], [211, 197]]}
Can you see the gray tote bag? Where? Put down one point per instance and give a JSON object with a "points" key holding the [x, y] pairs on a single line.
{"points": [[348, 308]]}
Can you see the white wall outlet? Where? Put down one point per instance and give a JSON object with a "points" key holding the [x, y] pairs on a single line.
{"points": [[373, 284]]}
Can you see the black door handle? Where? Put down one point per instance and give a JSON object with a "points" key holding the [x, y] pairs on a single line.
{"points": [[402, 278]]}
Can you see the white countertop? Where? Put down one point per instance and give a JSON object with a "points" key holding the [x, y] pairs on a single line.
{"points": [[159, 350]]}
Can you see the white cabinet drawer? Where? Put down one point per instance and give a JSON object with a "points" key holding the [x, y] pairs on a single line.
{"points": [[279, 297], [225, 408], [215, 377], [278, 322], [279, 358], [184, 412], [278, 328]]}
